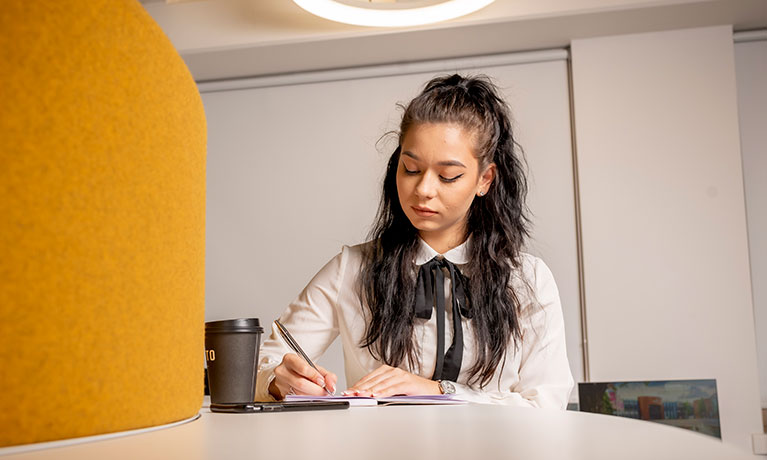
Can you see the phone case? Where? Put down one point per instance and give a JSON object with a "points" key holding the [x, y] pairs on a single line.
{"points": [[285, 406]]}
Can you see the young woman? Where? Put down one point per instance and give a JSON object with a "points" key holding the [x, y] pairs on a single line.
{"points": [[441, 300]]}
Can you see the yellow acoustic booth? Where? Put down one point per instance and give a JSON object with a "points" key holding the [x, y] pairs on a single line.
{"points": [[102, 219]]}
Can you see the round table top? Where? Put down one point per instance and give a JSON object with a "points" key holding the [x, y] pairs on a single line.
{"points": [[401, 432]]}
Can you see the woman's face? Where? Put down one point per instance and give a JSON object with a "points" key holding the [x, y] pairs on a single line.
{"points": [[438, 177]]}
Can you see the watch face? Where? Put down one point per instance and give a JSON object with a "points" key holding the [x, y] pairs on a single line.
{"points": [[447, 387]]}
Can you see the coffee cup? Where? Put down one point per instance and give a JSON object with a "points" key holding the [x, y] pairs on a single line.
{"points": [[231, 353]]}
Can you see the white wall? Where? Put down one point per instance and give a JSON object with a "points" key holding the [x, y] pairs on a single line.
{"points": [[294, 173], [668, 292], [751, 68]]}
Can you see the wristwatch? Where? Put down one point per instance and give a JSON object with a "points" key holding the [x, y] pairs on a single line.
{"points": [[446, 387]]}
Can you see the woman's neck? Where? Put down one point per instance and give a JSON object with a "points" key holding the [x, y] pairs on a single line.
{"points": [[442, 242]]}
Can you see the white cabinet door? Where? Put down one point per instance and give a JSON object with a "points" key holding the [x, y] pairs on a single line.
{"points": [[667, 282]]}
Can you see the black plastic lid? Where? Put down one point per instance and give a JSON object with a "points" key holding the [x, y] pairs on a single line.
{"points": [[235, 325]]}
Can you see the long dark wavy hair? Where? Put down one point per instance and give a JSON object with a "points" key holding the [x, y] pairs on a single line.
{"points": [[497, 224]]}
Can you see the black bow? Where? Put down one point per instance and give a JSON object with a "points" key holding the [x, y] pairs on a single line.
{"points": [[430, 292]]}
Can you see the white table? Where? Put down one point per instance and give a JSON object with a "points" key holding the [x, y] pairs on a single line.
{"points": [[393, 433]]}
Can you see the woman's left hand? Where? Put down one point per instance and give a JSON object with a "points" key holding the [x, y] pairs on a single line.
{"points": [[390, 381]]}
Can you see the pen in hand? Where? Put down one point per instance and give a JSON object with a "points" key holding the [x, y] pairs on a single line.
{"points": [[297, 348]]}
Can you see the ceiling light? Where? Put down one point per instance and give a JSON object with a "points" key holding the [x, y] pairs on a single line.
{"points": [[391, 13]]}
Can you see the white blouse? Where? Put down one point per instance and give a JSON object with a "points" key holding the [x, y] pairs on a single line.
{"points": [[537, 374]]}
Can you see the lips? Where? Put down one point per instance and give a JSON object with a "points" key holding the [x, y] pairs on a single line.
{"points": [[423, 212]]}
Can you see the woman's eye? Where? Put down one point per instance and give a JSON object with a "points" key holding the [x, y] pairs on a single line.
{"points": [[411, 172], [450, 179]]}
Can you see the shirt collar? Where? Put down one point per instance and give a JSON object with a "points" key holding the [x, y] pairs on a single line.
{"points": [[459, 255]]}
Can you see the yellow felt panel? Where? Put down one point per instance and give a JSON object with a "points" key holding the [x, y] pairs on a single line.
{"points": [[102, 218]]}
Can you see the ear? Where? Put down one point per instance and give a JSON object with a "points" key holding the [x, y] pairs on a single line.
{"points": [[486, 179]]}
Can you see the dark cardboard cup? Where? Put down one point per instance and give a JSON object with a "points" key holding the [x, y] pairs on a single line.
{"points": [[231, 351]]}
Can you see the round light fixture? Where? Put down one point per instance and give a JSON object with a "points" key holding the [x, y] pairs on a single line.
{"points": [[391, 13]]}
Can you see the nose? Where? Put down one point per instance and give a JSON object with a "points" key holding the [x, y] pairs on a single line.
{"points": [[427, 186]]}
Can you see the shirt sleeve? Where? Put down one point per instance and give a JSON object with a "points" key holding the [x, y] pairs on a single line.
{"points": [[545, 379], [311, 319]]}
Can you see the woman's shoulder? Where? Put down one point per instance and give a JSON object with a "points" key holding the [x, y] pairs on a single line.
{"points": [[343, 266], [352, 255], [533, 273], [530, 264], [356, 252]]}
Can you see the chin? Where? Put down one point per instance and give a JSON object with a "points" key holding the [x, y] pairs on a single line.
{"points": [[423, 225]]}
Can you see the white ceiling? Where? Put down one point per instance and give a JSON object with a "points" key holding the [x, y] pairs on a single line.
{"points": [[237, 38]]}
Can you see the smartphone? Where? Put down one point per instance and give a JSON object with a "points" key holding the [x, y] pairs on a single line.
{"points": [[284, 406]]}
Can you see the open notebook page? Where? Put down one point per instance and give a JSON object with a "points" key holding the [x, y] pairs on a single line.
{"points": [[389, 400]]}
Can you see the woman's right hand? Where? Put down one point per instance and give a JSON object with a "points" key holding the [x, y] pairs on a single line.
{"points": [[294, 375]]}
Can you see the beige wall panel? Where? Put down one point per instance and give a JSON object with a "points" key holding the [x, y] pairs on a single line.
{"points": [[751, 67], [666, 268]]}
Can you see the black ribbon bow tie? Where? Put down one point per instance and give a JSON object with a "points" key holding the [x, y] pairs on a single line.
{"points": [[430, 292]]}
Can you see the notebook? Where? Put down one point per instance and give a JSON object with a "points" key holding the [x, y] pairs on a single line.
{"points": [[355, 401]]}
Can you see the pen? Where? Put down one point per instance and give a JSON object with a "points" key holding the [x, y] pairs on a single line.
{"points": [[297, 348]]}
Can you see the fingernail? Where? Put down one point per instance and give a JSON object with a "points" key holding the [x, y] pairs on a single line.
{"points": [[346, 393], [333, 389], [321, 382]]}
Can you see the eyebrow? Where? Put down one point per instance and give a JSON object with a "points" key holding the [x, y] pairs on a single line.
{"points": [[441, 163]]}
